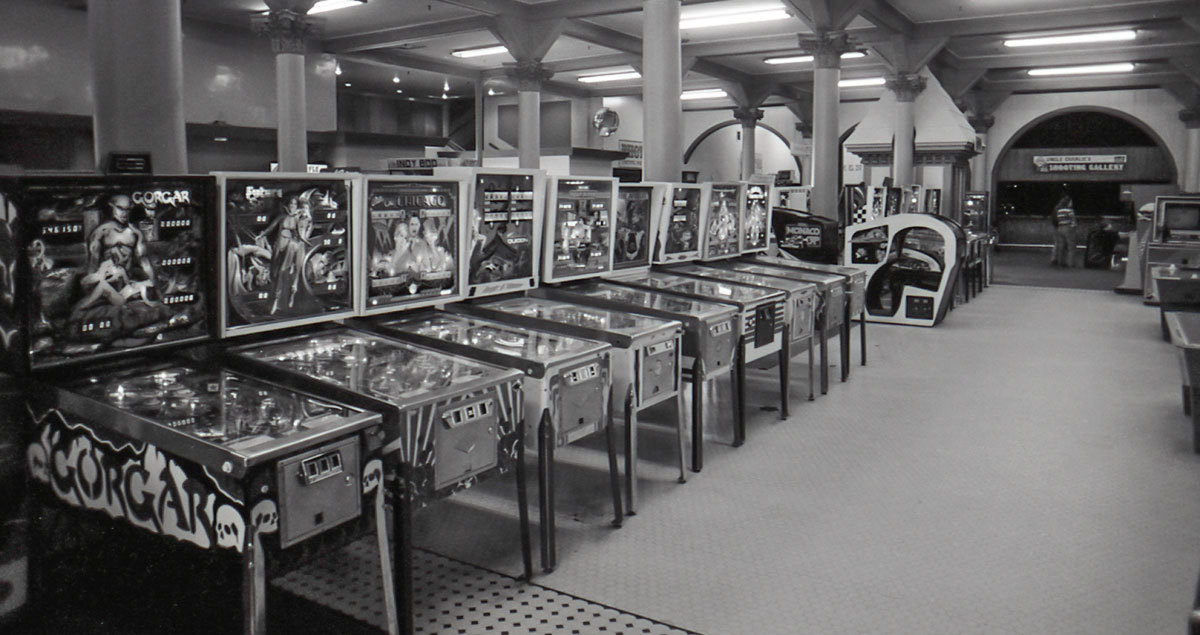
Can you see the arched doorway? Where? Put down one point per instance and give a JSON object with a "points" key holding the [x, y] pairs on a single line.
{"points": [[716, 152], [1104, 160]]}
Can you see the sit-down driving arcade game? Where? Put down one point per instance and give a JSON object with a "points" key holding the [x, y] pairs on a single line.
{"points": [[912, 263]]}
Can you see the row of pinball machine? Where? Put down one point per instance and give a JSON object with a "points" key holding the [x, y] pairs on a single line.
{"points": [[260, 365]]}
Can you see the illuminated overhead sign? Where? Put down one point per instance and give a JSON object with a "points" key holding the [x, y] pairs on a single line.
{"points": [[1080, 163]]}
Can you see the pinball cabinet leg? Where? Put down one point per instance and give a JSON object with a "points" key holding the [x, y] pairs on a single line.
{"points": [[523, 502], [614, 471], [254, 585], [785, 363], [631, 452], [845, 344], [546, 490], [824, 360], [699, 384], [862, 336], [386, 569], [680, 426], [812, 367], [1195, 419], [739, 394], [402, 572]]}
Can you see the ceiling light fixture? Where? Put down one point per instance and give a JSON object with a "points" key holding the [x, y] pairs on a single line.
{"points": [[480, 51], [703, 93], [1094, 69], [801, 59], [399, 91], [395, 79], [347, 84], [1073, 38], [491, 92], [445, 86], [611, 76], [337, 70], [701, 19], [859, 82], [325, 6]]}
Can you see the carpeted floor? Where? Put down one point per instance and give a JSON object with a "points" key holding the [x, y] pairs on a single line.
{"points": [[1023, 468], [1030, 267]]}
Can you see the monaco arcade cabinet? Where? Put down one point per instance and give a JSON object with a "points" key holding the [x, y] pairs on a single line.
{"points": [[912, 263], [1174, 240], [646, 349], [567, 387], [761, 324], [142, 455], [325, 245], [708, 339]]}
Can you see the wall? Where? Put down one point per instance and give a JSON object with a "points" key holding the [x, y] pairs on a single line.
{"points": [[229, 74], [1156, 108]]}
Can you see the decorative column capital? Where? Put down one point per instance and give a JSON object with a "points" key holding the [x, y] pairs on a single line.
{"points": [[826, 48], [1190, 117], [529, 75], [906, 86], [288, 29], [981, 123], [747, 115]]}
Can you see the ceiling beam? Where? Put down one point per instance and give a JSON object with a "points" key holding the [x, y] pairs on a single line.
{"points": [[1106, 56], [388, 38], [611, 38], [597, 61], [883, 15], [1082, 82], [489, 7], [593, 8], [394, 59], [1058, 19]]}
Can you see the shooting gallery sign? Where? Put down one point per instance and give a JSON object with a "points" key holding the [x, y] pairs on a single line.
{"points": [[1080, 163]]}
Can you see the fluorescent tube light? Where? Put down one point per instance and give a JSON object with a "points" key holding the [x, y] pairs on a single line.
{"points": [[704, 93], [613, 76], [861, 81], [729, 17], [480, 51], [1094, 69], [1073, 38], [801, 59], [325, 6]]}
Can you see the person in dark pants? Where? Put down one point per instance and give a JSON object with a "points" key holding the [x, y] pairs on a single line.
{"points": [[1064, 232]]}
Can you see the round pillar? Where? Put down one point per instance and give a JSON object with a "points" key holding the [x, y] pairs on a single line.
{"points": [[827, 52], [1190, 179], [906, 87], [749, 118], [137, 77], [288, 30], [662, 84], [529, 76], [979, 174]]}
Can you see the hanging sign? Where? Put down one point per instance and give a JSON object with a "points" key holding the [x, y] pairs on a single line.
{"points": [[634, 151], [1080, 163]]}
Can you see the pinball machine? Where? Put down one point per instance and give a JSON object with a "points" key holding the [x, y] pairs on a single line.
{"points": [[347, 244], [912, 263], [1174, 239], [567, 390], [132, 433], [855, 293]]}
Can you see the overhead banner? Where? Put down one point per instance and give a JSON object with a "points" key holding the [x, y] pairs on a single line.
{"points": [[1080, 163]]}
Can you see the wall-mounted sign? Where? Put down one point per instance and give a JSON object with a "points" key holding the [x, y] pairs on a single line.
{"points": [[634, 150], [421, 163], [1080, 163]]}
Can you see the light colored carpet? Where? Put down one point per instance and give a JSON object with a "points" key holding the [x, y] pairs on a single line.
{"points": [[1023, 468]]}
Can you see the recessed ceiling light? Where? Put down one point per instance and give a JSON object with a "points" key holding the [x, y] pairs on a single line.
{"points": [[324, 6], [862, 81], [337, 70], [612, 76], [220, 138], [445, 85], [704, 93], [1073, 38], [491, 91], [801, 59], [480, 51], [395, 79], [399, 91], [702, 18], [347, 84], [1094, 69]]}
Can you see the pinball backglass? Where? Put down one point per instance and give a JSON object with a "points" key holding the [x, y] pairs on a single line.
{"points": [[721, 216], [678, 237], [579, 228], [412, 243], [288, 250]]}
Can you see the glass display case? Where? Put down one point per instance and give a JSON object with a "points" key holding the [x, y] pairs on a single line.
{"points": [[567, 390], [288, 250]]}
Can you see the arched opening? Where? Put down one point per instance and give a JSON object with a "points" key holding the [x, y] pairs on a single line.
{"points": [[716, 152], [1104, 160]]}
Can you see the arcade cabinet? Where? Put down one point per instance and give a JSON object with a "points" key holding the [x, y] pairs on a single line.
{"points": [[1175, 238]]}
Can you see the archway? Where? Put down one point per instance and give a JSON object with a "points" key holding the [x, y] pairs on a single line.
{"points": [[690, 152]]}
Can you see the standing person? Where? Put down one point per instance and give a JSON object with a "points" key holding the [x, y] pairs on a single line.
{"points": [[1064, 232]]}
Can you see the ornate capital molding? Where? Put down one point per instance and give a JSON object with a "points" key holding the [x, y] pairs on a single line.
{"points": [[805, 128], [826, 48], [906, 86], [288, 30], [981, 123], [529, 75], [747, 116], [1190, 117]]}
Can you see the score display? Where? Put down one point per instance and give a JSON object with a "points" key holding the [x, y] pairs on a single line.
{"points": [[288, 252]]}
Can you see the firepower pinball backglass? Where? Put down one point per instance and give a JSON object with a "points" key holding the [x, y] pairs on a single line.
{"points": [[679, 226], [722, 225], [114, 264], [632, 227], [288, 251], [579, 232], [412, 242]]}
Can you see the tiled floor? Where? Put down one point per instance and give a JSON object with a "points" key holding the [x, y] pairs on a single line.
{"points": [[1023, 468]]}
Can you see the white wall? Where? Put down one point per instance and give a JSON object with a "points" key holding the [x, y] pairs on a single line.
{"points": [[1155, 107]]}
